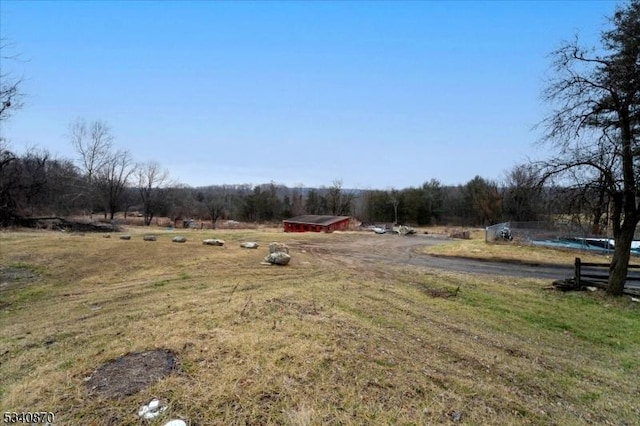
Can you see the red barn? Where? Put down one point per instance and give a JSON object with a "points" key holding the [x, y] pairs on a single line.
{"points": [[316, 223]]}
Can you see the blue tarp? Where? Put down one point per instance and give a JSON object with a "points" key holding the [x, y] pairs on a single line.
{"points": [[600, 245]]}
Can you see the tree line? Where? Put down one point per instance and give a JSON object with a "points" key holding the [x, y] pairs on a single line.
{"points": [[104, 180], [101, 179]]}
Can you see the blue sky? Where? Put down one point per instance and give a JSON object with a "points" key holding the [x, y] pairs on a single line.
{"points": [[376, 94]]}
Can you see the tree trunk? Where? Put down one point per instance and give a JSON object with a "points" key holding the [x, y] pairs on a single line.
{"points": [[395, 213], [596, 225], [620, 260]]}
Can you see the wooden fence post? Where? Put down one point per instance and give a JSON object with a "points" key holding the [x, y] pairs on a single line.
{"points": [[577, 272]]}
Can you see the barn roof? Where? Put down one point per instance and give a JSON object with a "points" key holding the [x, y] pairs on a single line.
{"points": [[312, 219]]}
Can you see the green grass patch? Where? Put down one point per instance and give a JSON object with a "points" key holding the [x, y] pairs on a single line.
{"points": [[22, 265], [25, 296], [161, 283]]}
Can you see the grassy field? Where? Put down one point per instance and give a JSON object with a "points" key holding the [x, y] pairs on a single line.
{"points": [[316, 342], [477, 248]]}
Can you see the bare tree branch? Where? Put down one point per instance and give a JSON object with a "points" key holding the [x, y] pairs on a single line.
{"points": [[594, 125], [10, 94]]}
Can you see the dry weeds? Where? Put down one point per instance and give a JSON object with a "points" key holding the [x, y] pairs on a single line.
{"points": [[316, 342]]}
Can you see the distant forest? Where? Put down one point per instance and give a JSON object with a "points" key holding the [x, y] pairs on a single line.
{"points": [[34, 185]]}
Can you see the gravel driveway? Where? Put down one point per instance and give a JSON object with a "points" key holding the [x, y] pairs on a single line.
{"points": [[371, 251], [392, 249]]}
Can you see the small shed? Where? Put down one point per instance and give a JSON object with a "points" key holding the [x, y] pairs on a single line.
{"points": [[316, 223]]}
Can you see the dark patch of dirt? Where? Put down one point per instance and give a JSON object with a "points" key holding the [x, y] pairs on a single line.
{"points": [[61, 224], [130, 373], [11, 277], [445, 294]]}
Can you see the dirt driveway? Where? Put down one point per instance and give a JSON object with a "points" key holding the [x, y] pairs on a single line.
{"points": [[372, 250]]}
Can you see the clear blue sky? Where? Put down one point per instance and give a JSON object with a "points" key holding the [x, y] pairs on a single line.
{"points": [[377, 94]]}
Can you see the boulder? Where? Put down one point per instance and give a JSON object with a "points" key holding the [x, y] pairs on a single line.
{"points": [[149, 238], [278, 248], [278, 258], [213, 242], [125, 237], [404, 230], [179, 239], [249, 245]]}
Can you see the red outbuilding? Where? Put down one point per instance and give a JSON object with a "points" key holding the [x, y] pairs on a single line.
{"points": [[316, 223]]}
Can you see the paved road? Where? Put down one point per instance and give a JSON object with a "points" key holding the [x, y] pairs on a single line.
{"points": [[390, 249], [544, 271], [408, 253], [552, 272]]}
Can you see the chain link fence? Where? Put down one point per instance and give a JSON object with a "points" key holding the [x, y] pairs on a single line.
{"points": [[537, 231], [560, 235]]}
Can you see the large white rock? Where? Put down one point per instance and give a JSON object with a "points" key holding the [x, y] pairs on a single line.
{"points": [[179, 239], [278, 258], [213, 242], [249, 245], [278, 248], [149, 238]]}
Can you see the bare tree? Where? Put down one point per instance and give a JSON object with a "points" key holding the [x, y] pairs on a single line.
{"points": [[151, 178], [112, 178], [63, 180], [338, 202], [10, 97], [9, 179], [93, 144], [23, 183], [595, 124], [215, 209], [10, 94], [522, 198], [216, 201], [129, 196], [33, 184]]}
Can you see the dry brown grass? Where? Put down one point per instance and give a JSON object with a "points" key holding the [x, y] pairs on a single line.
{"points": [[477, 248], [312, 343]]}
